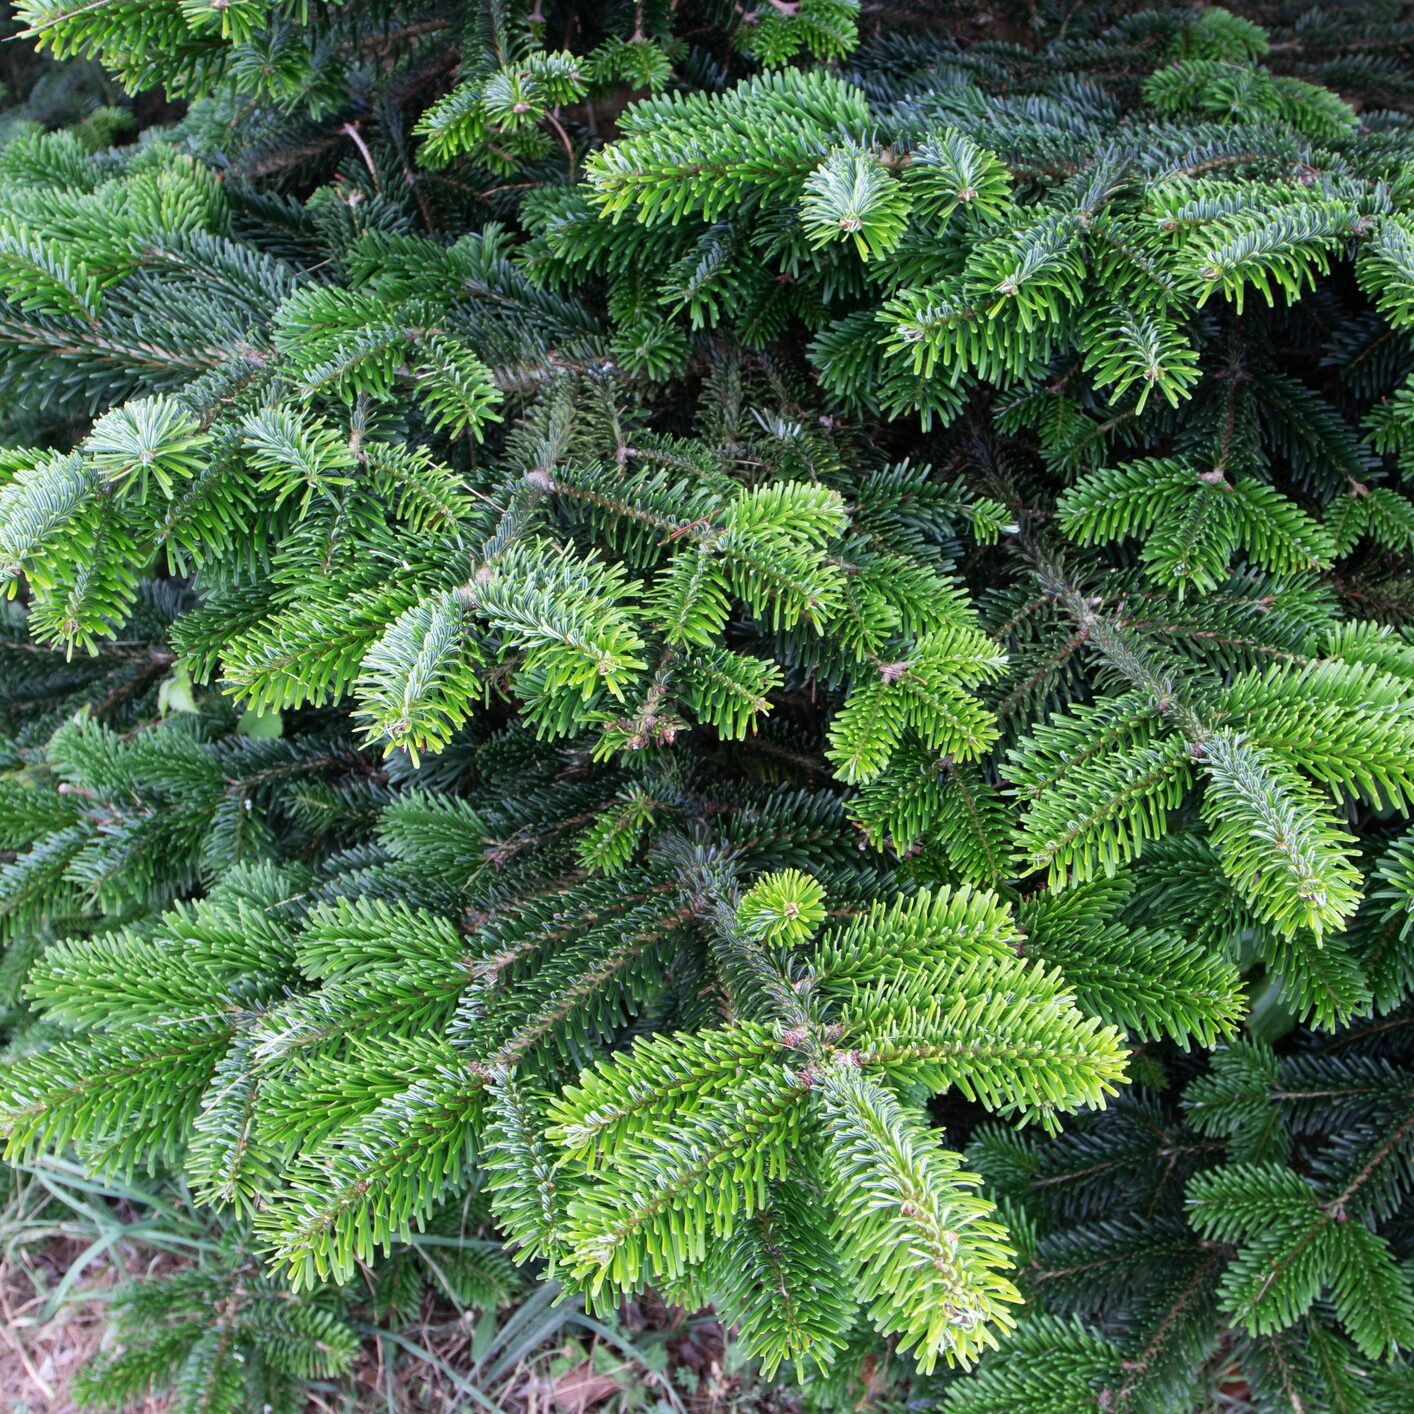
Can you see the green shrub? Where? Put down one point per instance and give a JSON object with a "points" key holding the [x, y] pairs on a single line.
{"points": [[653, 626]]}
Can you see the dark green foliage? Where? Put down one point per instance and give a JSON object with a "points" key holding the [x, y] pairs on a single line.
{"points": [[221, 1337], [1251, 1229], [657, 622]]}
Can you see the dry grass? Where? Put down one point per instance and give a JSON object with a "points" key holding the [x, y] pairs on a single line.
{"points": [[60, 1259], [42, 1347], [66, 1244], [46, 1337]]}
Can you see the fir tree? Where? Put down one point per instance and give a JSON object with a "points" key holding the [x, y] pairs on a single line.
{"points": [[1247, 1235], [656, 625]]}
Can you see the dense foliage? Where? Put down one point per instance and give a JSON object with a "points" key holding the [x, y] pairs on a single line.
{"points": [[644, 621]]}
